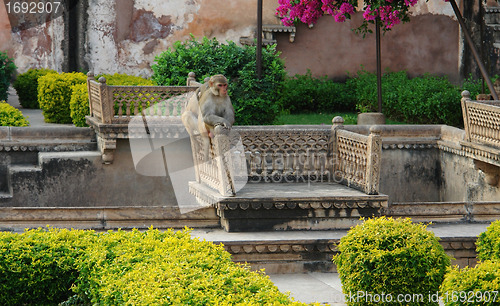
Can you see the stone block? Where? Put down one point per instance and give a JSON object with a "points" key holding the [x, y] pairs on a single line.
{"points": [[371, 119]]}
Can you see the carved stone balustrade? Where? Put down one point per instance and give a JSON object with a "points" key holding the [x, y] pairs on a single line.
{"points": [[113, 107], [290, 177], [482, 135]]}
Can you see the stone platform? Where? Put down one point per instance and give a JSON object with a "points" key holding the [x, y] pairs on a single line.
{"points": [[291, 206]]}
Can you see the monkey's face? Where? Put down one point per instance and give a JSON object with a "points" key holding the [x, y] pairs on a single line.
{"points": [[222, 88]]}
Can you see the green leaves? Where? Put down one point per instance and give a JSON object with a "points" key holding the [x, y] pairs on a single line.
{"points": [[254, 100], [7, 68], [391, 256], [26, 86], [10, 116]]}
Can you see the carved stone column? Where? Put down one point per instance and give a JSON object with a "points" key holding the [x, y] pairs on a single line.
{"points": [[107, 145]]}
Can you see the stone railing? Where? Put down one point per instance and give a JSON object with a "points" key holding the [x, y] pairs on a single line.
{"points": [[481, 120], [289, 154], [116, 104], [482, 136], [112, 108], [357, 158]]}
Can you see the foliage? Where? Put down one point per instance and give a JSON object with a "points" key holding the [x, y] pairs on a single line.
{"points": [[169, 268], [304, 94], [422, 100], [70, 267], [38, 267], [254, 101], [79, 104], [125, 79], [488, 242], [10, 116], [26, 86], [388, 12], [54, 95], [387, 256], [472, 286], [7, 68]]}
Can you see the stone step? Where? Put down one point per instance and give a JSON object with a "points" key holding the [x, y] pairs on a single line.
{"points": [[5, 195], [310, 251]]}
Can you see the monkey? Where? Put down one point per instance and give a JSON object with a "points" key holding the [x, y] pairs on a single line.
{"points": [[208, 107]]}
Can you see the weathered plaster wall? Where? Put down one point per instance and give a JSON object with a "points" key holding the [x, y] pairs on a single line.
{"points": [[125, 35], [429, 43]]}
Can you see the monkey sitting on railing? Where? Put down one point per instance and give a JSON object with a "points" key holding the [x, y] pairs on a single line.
{"points": [[208, 107]]}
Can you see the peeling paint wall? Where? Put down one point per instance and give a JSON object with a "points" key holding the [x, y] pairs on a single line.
{"points": [[124, 36]]}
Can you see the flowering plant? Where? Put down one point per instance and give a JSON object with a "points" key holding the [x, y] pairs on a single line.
{"points": [[388, 12]]}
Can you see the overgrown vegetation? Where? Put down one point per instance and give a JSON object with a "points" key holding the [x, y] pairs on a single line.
{"points": [[7, 68], [49, 266], [26, 85], [10, 116], [385, 256], [254, 101]]}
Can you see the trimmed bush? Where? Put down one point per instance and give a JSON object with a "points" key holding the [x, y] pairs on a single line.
{"points": [[385, 256], [7, 68], [488, 242], [79, 104], [472, 286], [304, 94], [26, 86], [38, 267], [11, 116], [255, 101], [49, 266], [54, 95], [125, 79]]}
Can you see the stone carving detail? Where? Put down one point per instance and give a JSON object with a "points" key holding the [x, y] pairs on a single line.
{"points": [[355, 204], [274, 155]]}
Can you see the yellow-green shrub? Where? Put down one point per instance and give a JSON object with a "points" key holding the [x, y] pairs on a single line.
{"points": [[385, 256], [79, 104], [11, 116], [472, 286], [54, 95], [26, 86], [169, 268], [38, 267], [488, 242]]}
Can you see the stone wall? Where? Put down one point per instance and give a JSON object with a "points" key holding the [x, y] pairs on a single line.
{"points": [[124, 36]]}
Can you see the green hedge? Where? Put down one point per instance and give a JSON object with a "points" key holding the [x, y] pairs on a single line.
{"points": [[488, 242], [7, 68], [54, 95], [49, 266], [11, 116], [305, 94], [26, 86], [255, 101], [385, 256], [472, 286]]}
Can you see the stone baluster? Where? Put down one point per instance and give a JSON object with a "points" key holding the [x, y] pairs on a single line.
{"points": [[223, 159], [334, 157], [90, 77], [374, 154], [128, 109], [107, 107], [467, 128]]}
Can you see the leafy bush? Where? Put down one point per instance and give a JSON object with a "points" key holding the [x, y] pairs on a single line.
{"points": [[79, 104], [427, 99], [303, 94], [488, 242], [26, 86], [38, 267], [255, 101], [11, 116], [169, 268], [7, 68], [54, 95], [387, 256], [125, 79], [472, 286], [49, 266]]}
